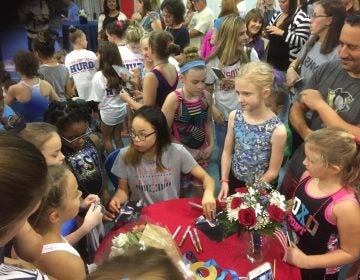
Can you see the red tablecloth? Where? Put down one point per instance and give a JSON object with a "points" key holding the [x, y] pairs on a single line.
{"points": [[229, 254]]}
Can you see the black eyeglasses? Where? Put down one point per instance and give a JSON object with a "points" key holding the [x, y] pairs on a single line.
{"points": [[71, 141], [141, 136]]}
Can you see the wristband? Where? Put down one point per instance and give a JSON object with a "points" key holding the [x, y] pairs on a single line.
{"points": [[224, 180]]}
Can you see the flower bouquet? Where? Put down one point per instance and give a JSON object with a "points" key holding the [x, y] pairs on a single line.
{"points": [[256, 208]]}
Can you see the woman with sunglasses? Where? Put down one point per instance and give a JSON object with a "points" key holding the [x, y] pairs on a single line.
{"points": [[150, 167]]}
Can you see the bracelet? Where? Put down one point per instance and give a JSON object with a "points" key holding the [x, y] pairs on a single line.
{"points": [[224, 180], [9, 122]]}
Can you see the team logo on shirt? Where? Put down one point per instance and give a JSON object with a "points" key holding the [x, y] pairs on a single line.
{"points": [[339, 100]]}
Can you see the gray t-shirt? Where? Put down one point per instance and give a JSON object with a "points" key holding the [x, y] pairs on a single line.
{"points": [[57, 76], [147, 183], [339, 90]]}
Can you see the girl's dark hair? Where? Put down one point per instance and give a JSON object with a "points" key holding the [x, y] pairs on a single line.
{"points": [[75, 33], [158, 121], [291, 14], [63, 114], [255, 14], [106, 8], [23, 179], [175, 8], [162, 43], [336, 10], [109, 54], [44, 44], [155, 265], [56, 190], [26, 63], [118, 27], [147, 7]]}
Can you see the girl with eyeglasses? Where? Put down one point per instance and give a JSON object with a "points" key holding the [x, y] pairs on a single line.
{"points": [[326, 24], [150, 167]]}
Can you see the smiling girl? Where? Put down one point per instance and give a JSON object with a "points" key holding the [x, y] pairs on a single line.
{"points": [[254, 26]]}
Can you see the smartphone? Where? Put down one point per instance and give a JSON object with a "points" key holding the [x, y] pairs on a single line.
{"points": [[218, 73], [262, 272], [298, 81]]}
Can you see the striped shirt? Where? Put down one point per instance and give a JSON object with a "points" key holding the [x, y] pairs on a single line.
{"points": [[11, 273], [297, 33]]}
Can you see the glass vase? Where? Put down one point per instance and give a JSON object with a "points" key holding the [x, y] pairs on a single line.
{"points": [[256, 247]]}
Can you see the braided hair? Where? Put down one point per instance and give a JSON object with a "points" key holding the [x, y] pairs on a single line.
{"points": [[62, 114]]}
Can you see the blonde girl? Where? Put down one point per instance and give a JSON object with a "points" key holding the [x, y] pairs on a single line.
{"points": [[256, 138], [325, 214], [229, 55], [188, 113]]}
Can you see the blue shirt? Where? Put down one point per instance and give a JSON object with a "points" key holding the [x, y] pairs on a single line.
{"points": [[73, 12]]}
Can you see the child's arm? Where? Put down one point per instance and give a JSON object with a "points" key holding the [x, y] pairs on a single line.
{"points": [[10, 96], [93, 217], [209, 130], [28, 244], [208, 200], [347, 215], [169, 108], [278, 143], [226, 158], [121, 195]]}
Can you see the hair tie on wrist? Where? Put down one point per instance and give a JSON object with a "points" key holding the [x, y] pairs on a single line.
{"points": [[357, 140]]}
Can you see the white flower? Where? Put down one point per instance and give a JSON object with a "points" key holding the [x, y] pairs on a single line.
{"points": [[120, 240], [82, 13]]}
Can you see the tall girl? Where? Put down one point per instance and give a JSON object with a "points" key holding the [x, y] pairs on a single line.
{"points": [[150, 167], [229, 55], [325, 214], [188, 113], [81, 64], [58, 258], [256, 138], [163, 78], [105, 85], [30, 97]]}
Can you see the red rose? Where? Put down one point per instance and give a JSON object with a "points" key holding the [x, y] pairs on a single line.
{"points": [[242, 190], [236, 202], [276, 214], [247, 217]]}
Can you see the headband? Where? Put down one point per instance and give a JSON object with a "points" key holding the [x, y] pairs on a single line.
{"points": [[191, 64]]}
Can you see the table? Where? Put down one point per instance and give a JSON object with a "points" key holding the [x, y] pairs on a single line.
{"points": [[90, 29], [229, 254]]}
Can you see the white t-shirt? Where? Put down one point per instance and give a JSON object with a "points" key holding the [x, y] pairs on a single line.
{"points": [[241, 6], [112, 108], [82, 68], [147, 183], [225, 97], [201, 21], [131, 59]]}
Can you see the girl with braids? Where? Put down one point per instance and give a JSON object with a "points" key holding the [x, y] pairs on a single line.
{"points": [[188, 113], [325, 213], [106, 85], [79, 146], [228, 56], [163, 78], [50, 70]]}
